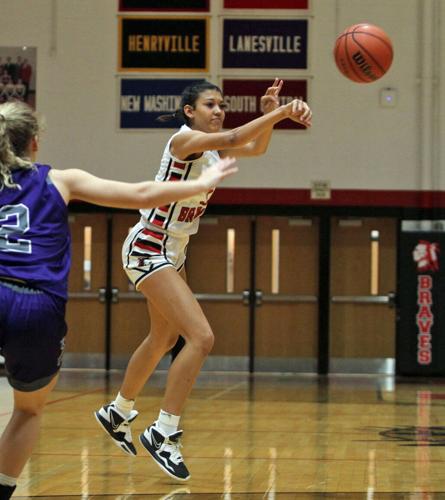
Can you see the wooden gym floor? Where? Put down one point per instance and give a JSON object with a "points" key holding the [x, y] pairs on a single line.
{"points": [[274, 437]]}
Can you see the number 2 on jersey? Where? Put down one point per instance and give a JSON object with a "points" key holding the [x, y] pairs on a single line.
{"points": [[14, 222]]}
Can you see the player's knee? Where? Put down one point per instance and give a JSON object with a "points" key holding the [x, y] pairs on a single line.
{"points": [[29, 411], [205, 342]]}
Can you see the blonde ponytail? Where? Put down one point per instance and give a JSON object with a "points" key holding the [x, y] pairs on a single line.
{"points": [[18, 125]]}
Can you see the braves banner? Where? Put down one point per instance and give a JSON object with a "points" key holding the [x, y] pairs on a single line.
{"points": [[421, 299], [242, 99], [142, 100], [163, 44], [166, 5], [265, 4], [265, 43]]}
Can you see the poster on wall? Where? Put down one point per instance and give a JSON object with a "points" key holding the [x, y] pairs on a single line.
{"points": [[143, 100], [18, 74], [420, 298], [265, 43], [266, 4], [242, 100], [163, 44], [164, 5]]}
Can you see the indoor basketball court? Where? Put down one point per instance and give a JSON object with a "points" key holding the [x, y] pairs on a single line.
{"points": [[265, 436], [319, 265]]}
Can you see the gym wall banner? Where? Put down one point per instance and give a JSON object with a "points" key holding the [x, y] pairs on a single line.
{"points": [[242, 100], [163, 44], [265, 43], [164, 5], [421, 299], [142, 100], [266, 4]]}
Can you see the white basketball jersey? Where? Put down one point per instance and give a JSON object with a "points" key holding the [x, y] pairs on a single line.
{"points": [[180, 218]]}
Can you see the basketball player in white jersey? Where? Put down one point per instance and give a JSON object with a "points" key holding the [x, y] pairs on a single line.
{"points": [[153, 257]]}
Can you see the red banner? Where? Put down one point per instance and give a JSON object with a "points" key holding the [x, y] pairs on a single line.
{"points": [[242, 99], [266, 4], [165, 5]]}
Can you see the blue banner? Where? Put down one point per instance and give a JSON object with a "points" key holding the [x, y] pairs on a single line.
{"points": [[142, 100], [163, 44], [265, 43]]}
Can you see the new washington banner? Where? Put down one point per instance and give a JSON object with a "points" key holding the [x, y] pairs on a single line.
{"points": [[142, 100]]}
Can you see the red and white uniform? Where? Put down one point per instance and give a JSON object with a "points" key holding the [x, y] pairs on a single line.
{"points": [[161, 236]]}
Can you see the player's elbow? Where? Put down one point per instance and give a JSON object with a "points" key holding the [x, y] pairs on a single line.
{"points": [[233, 139], [259, 150]]}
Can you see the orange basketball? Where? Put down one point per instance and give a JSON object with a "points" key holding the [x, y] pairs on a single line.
{"points": [[363, 53]]}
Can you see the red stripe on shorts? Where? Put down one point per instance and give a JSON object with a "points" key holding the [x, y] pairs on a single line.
{"points": [[158, 236], [147, 247]]}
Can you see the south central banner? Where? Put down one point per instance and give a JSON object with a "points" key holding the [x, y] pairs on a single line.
{"points": [[243, 97], [265, 43], [142, 100], [163, 44], [166, 5], [420, 301]]}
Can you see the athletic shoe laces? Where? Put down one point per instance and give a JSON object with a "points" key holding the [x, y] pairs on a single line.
{"points": [[173, 446]]}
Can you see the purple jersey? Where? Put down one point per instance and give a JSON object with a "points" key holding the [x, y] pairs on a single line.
{"points": [[35, 243]]}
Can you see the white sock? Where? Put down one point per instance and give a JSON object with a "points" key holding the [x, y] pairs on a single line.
{"points": [[124, 405], [167, 422], [7, 480]]}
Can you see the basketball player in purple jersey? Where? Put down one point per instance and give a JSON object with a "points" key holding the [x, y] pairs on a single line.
{"points": [[154, 257], [35, 262]]}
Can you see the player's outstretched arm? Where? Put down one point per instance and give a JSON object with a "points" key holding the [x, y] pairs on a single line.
{"points": [[235, 142], [76, 184], [297, 110]]}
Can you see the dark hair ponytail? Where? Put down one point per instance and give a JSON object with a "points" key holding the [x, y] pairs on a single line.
{"points": [[189, 97]]}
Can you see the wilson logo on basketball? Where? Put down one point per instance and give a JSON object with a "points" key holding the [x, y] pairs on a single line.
{"points": [[363, 66]]}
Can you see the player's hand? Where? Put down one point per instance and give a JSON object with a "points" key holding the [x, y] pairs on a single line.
{"points": [[298, 111], [269, 101], [211, 176]]}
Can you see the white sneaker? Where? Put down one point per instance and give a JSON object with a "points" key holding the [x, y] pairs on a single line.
{"points": [[117, 426], [165, 450]]}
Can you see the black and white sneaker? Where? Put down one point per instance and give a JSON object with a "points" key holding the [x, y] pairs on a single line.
{"points": [[117, 426], [165, 451]]}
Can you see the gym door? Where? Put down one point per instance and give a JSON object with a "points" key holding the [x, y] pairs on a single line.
{"points": [[256, 279], [363, 281]]}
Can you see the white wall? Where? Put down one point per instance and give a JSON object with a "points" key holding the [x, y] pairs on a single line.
{"points": [[354, 142]]}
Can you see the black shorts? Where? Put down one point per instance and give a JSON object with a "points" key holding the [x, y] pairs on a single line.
{"points": [[32, 333]]}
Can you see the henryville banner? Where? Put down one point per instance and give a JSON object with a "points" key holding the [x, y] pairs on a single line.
{"points": [[142, 100], [420, 301], [163, 44], [242, 100], [265, 43], [166, 5]]}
